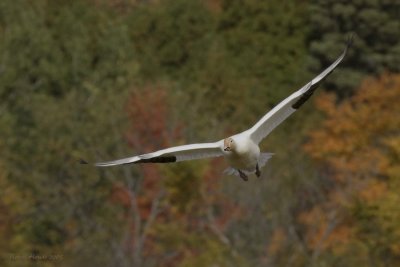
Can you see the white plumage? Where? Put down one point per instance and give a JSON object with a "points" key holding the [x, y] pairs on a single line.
{"points": [[241, 150]]}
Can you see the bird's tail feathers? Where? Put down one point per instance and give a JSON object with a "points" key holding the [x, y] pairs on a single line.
{"points": [[264, 157], [234, 172]]}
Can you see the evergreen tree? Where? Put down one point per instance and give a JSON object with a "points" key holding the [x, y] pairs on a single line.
{"points": [[376, 46]]}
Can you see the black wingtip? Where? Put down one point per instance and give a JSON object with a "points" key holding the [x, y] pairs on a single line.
{"points": [[350, 39], [82, 161]]}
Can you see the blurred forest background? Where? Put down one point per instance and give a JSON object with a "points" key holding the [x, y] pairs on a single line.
{"points": [[105, 79]]}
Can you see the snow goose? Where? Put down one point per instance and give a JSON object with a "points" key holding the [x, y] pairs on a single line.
{"points": [[241, 150]]}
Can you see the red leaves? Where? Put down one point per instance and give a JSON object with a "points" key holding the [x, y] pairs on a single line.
{"points": [[189, 205], [147, 110]]}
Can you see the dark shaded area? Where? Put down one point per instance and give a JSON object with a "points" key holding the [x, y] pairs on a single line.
{"points": [[163, 159], [100, 79]]}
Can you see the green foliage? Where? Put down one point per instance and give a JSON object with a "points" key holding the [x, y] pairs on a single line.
{"points": [[66, 203], [106, 79], [183, 184], [376, 45], [58, 47], [264, 40], [222, 59], [257, 45], [59, 63], [67, 71], [171, 38]]}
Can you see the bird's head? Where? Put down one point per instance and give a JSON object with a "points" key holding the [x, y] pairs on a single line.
{"points": [[229, 144]]}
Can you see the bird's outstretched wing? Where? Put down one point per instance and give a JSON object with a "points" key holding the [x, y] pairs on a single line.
{"points": [[172, 154], [284, 109]]}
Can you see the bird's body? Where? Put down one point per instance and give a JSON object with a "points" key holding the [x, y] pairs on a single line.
{"points": [[245, 155], [241, 151]]}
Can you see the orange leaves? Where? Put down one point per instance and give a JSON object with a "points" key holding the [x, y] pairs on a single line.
{"points": [[326, 103], [373, 190], [277, 241], [325, 228], [148, 111], [352, 137], [358, 147]]}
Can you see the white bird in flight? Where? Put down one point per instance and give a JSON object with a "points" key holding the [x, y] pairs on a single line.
{"points": [[241, 150]]}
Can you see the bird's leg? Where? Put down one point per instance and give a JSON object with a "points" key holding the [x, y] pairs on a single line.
{"points": [[258, 173], [243, 176]]}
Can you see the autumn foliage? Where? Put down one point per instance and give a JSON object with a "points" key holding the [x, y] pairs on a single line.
{"points": [[357, 150], [172, 209], [107, 79]]}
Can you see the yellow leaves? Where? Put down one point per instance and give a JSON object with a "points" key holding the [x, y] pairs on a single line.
{"points": [[277, 240], [353, 135], [358, 147], [393, 144], [183, 184], [326, 229], [373, 191], [12, 205], [189, 246], [326, 103]]}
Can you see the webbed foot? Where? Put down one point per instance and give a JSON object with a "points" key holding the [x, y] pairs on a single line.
{"points": [[258, 173], [243, 176]]}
